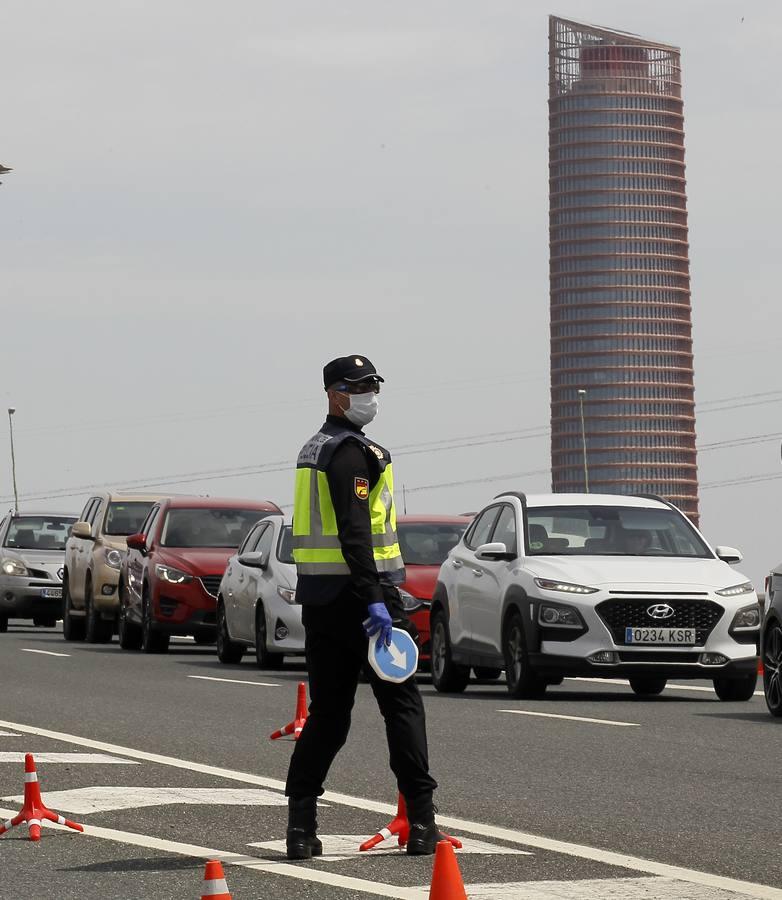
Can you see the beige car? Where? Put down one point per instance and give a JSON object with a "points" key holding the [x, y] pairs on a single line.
{"points": [[93, 556]]}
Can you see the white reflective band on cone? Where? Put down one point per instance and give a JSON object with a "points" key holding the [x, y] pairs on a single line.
{"points": [[30, 776], [8, 825], [32, 822], [60, 820], [386, 833], [215, 886]]}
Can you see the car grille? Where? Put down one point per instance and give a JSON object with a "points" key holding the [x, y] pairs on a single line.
{"points": [[702, 615], [658, 656], [39, 573], [211, 583]]}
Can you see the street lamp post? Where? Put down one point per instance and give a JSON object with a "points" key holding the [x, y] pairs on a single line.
{"points": [[581, 395], [11, 411]]}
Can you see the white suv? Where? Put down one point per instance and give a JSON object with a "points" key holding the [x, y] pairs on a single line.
{"points": [[604, 585]]}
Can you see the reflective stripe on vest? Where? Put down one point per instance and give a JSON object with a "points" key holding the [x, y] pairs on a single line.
{"points": [[316, 546]]}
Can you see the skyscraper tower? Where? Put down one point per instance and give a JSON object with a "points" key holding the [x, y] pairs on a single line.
{"points": [[622, 400]]}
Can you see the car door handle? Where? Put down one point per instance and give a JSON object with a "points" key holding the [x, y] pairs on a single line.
{"points": [[457, 564], [477, 573], [241, 577]]}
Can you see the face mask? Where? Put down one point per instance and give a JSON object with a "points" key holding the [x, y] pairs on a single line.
{"points": [[362, 409]]}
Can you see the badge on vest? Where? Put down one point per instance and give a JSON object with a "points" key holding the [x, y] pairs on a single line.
{"points": [[361, 487]]}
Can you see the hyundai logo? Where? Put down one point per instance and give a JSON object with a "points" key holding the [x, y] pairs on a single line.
{"points": [[60, 573], [660, 611]]}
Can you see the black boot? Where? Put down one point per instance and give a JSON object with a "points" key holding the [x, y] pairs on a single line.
{"points": [[301, 838], [424, 833]]}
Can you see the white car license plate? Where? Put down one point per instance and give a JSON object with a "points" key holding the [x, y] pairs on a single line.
{"points": [[659, 635], [52, 593]]}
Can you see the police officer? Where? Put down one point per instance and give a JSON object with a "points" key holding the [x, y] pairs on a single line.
{"points": [[349, 563]]}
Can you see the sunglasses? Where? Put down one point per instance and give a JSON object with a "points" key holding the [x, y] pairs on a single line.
{"points": [[360, 387]]}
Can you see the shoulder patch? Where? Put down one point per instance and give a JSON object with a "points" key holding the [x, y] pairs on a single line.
{"points": [[361, 488], [377, 451]]}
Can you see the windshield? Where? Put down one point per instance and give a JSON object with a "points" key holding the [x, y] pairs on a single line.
{"points": [[611, 531], [285, 546], [428, 543], [126, 518], [39, 532], [208, 527]]}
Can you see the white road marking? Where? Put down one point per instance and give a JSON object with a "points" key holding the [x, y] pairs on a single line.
{"points": [[283, 869], [9, 734], [527, 712], [509, 835], [83, 801], [235, 681], [598, 889], [669, 687], [340, 847], [102, 759], [43, 652]]}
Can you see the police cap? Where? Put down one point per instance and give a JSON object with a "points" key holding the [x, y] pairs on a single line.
{"points": [[350, 369]]}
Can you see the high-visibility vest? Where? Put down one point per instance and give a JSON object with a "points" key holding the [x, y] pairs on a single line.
{"points": [[316, 545]]}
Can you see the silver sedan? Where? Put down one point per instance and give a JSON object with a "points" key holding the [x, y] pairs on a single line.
{"points": [[256, 603]]}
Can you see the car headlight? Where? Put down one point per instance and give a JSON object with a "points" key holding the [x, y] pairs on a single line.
{"points": [[409, 602], [736, 590], [172, 575], [747, 617], [113, 558], [287, 595], [564, 587], [559, 616], [14, 567]]}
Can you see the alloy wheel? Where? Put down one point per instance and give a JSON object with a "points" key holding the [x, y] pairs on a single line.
{"points": [[772, 665], [515, 658], [438, 650]]}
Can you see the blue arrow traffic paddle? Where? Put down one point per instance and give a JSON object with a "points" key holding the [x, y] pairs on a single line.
{"points": [[398, 661]]}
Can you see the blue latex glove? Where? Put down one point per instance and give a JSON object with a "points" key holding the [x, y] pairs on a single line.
{"points": [[379, 620]]}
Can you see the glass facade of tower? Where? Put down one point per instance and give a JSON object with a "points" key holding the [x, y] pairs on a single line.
{"points": [[620, 287]]}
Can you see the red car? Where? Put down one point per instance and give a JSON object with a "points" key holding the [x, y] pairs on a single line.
{"points": [[170, 577], [425, 542]]}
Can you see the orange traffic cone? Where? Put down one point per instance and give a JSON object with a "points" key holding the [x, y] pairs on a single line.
{"points": [[399, 826], [299, 719], [760, 667], [34, 810], [215, 887], [447, 881]]}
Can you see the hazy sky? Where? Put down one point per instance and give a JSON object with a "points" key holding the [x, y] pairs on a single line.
{"points": [[210, 200]]}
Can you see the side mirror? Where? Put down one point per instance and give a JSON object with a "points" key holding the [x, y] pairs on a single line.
{"points": [[254, 560], [494, 551], [137, 542], [81, 530], [729, 555]]}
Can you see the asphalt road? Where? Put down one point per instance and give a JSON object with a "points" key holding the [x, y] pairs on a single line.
{"points": [[590, 793]]}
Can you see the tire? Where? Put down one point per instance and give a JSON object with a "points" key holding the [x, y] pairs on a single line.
{"points": [[264, 659], [448, 677], [72, 627], [228, 651], [96, 629], [738, 689], [523, 683], [772, 668], [152, 640], [3, 624], [128, 633], [648, 685], [487, 673], [205, 638]]}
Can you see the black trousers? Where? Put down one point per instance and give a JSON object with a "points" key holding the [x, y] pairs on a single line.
{"points": [[336, 651]]}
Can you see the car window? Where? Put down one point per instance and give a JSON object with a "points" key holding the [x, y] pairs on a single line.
{"points": [[285, 545], [251, 540], [264, 545], [96, 503], [39, 532], [144, 527], [126, 518], [428, 543], [208, 526], [150, 524], [505, 529], [612, 531], [86, 511], [97, 516], [481, 529]]}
